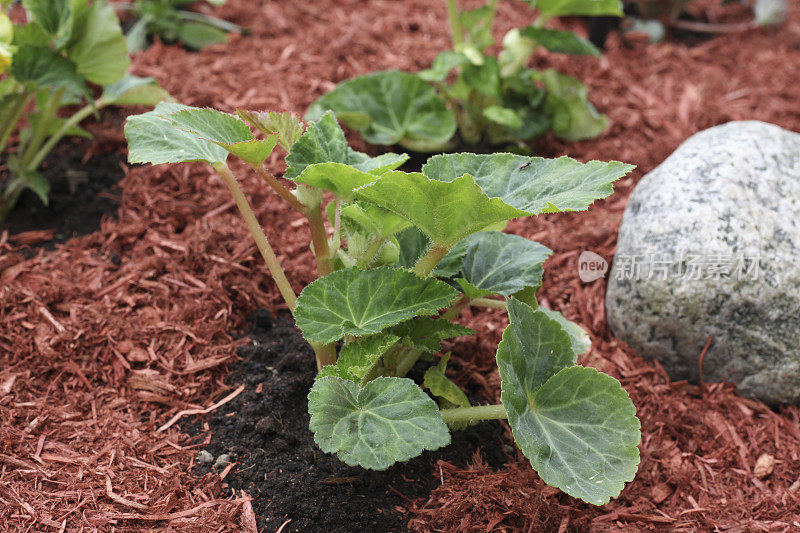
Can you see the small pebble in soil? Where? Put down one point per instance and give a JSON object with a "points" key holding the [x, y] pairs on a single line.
{"points": [[222, 461], [204, 457]]}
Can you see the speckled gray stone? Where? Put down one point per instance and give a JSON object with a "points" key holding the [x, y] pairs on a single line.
{"points": [[710, 247]]}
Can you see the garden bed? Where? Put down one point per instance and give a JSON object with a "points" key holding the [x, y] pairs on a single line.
{"points": [[106, 338]]}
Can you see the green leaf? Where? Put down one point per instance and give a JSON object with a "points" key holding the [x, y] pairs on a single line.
{"points": [[559, 8], [503, 116], [373, 219], [226, 131], [577, 335], [42, 66], [356, 302], [391, 107], [153, 139], [579, 431], [445, 211], [427, 334], [477, 24], [442, 65], [288, 127], [532, 184], [442, 387], [501, 263], [576, 426], [387, 421], [484, 78], [324, 142], [574, 117], [357, 358], [562, 42], [53, 16], [133, 90], [197, 35], [536, 340], [30, 34], [98, 47], [38, 184]]}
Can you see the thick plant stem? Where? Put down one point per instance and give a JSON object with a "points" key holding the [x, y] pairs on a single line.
{"points": [[428, 262], [39, 134], [455, 22], [488, 302], [257, 232], [278, 187], [407, 361], [470, 415], [325, 353], [319, 237]]}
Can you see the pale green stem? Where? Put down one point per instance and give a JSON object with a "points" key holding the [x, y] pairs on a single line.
{"points": [[71, 122], [278, 187], [336, 239], [488, 302], [428, 262], [471, 415], [257, 232], [455, 309], [319, 237], [455, 22], [407, 361], [40, 131], [9, 127]]}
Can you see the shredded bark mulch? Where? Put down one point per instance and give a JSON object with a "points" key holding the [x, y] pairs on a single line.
{"points": [[108, 338]]}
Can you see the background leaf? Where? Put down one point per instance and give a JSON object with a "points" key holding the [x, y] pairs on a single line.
{"points": [[44, 67], [563, 42], [356, 302], [387, 421], [574, 117], [98, 48], [390, 107], [133, 90], [532, 184], [53, 16]]}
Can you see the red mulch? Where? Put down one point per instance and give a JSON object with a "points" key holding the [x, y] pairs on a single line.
{"points": [[108, 337]]}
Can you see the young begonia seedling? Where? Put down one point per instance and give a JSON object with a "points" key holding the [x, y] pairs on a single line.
{"points": [[404, 247]]}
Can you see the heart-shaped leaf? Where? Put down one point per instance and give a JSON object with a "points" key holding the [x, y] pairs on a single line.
{"points": [[97, 46], [226, 131], [500, 263], [386, 421], [153, 139], [577, 427], [41, 66], [446, 211], [390, 107], [532, 184], [356, 302], [563, 42], [357, 358]]}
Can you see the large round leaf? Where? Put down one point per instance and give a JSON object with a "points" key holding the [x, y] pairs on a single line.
{"points": [[391, 107], [363, 302], [389, 420]]}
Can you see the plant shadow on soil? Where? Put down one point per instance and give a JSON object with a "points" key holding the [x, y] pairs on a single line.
{"points": [[81, 193], [265, 429]]}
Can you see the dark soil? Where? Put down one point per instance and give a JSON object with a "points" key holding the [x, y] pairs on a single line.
{"points": [[265, 429], [81, 193]]}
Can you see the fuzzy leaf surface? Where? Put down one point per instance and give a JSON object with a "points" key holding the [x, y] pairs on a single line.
{"points": [[390, 107], [563, 42], [387, 421], [501, 263], [427, 334], [358, 357], [579, 431], [356, 302], [226, 131], [532, 184], [445, 211], [324, 142], [153, 139], [578, 427], [288, 127]]}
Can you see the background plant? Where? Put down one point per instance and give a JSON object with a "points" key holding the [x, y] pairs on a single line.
{"points": [[493, 100], [403, 247], [165, 19], [51, 63]]}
